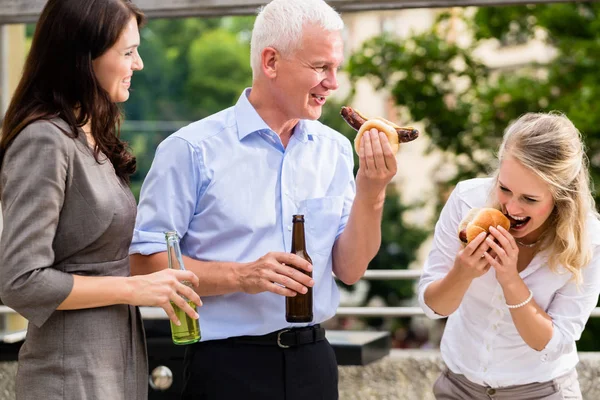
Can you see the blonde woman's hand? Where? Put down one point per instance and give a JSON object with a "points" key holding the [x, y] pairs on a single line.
{"points": [[470, 262], [161, 288], [507, 255]]}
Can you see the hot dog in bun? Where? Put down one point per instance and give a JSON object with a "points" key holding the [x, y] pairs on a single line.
{"points": [[479, 220], [395, 134]]}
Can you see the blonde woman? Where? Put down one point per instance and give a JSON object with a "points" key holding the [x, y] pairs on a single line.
{"points": [[517, 300]]}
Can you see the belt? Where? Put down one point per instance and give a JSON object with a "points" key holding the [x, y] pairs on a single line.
{"points": [[285, 338]]}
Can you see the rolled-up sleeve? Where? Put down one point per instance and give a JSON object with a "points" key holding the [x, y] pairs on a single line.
{"points": [[444, 248], [571, 308], [33, 181], [168, 197]]}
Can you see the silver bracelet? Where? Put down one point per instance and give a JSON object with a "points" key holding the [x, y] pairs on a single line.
{"points": [[523, 303]]}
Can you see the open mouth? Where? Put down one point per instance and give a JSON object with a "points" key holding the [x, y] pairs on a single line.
{"points": [[319, 99], [517, 222]]}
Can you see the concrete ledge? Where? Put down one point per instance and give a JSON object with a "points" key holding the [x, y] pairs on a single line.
{"points": [[8, 370], [403, 375]]}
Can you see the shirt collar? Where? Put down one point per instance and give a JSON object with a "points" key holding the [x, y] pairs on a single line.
{"points": [[248, 121]]}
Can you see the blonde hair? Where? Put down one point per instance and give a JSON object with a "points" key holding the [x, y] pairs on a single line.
{"points": [[551, 146], [280, 24]]}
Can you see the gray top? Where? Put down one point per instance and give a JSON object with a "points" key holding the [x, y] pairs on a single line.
{"points": [[66, 214]]}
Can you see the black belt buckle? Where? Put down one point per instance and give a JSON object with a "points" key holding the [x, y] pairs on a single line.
{"points": [[283, 346]]}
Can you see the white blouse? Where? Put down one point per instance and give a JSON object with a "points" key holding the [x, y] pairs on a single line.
{"points": [[480, 339]]}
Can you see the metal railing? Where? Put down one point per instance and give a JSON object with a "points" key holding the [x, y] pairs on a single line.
{"points": [[384, 274]]}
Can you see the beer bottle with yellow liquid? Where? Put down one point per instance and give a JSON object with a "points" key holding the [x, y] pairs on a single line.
{"points": [[189, 330], [300, 307]]}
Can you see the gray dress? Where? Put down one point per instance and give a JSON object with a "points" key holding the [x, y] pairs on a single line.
{"points": [[66, 214]]}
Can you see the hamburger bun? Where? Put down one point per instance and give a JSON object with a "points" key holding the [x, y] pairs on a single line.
{"points": [[479, 220]]}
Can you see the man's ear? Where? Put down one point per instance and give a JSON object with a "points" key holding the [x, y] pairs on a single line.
{"points": [[270, 59]]}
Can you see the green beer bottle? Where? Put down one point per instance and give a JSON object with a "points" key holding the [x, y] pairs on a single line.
{"points": [[189, 330], [300, 307]]}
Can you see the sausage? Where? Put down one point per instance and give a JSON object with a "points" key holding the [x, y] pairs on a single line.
{"points": [[355, 119], [462, 235]]}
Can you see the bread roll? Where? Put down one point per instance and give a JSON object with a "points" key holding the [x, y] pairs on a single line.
{"points": [[479, 220], [381, 125]]}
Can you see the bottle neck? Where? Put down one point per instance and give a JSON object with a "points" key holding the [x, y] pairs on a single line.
{"points": [[174, 252], [298, 240]]}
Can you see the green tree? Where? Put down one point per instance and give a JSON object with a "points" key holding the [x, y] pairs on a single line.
{"points": [[465, 106]]}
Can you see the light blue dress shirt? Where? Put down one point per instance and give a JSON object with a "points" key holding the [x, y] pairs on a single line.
{"points": [[229, 188]]}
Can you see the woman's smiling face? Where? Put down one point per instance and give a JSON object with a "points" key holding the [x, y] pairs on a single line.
{"points": [[525, 198], [114, 68]]}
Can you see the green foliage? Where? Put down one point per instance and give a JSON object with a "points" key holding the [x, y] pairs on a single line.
{"points": [[465, 106], [222, 57], [193, 67]]}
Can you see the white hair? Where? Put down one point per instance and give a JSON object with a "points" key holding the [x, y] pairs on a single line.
{"points": [[280, 25]]}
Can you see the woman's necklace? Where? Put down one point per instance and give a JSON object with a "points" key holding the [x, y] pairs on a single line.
{"points": [[530, 245], [527, 245]]}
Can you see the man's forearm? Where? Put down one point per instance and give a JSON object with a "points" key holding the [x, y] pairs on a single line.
{"points": [[360, 241], [216, 278]]}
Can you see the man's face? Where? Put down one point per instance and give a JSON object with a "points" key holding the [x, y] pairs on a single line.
{"points": [[306, 77]]}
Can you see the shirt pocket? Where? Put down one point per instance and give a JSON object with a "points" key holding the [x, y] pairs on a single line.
{"points": [[321, 221]]}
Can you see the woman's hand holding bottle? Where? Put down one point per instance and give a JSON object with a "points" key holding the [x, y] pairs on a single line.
{"points": [[161, 288]]}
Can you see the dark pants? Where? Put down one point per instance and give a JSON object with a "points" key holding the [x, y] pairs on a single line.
{"points": [[225, 369]]}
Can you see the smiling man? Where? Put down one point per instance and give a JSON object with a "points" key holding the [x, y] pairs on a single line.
{"points": [[230, 184]]}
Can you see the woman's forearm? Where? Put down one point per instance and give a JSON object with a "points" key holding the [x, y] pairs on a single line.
{"points": [[97, 291], [533, 324], [445, 295]]}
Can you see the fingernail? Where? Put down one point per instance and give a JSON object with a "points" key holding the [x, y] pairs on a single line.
{"points": [[196, 316], [178, 323], [304, 290], [312, 282]]}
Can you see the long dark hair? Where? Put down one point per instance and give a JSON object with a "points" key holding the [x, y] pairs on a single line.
{"points": [[58, 79]]}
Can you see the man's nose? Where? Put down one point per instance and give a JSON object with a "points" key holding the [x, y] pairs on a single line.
{"points": [[331, 81]]}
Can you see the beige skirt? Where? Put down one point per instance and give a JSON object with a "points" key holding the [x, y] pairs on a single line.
{"points": [[451, 386]]}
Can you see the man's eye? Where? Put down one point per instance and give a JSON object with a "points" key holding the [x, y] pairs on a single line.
{"points": [[321, 68], [504, 189]]}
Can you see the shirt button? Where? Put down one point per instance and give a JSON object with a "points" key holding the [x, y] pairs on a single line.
{"points": [[544, 357], [484, 369], [495, 327], [289, 227], [487, 346]]}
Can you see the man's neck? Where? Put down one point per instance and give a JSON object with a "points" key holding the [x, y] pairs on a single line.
{"points": [[270, 112]]}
